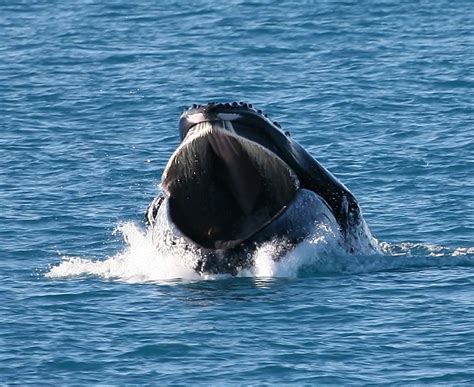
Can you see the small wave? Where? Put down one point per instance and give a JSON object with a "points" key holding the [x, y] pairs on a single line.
{"points": [[141, 261], [425, 249]]}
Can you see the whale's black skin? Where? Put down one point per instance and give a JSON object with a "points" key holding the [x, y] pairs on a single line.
{"points": [[228, 185]]}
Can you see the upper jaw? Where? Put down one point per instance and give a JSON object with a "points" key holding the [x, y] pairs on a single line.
{"points": [[213, 132], [235, 111]]}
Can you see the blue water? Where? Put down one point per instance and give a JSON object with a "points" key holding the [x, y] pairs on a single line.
{"points": [[381, 92]]}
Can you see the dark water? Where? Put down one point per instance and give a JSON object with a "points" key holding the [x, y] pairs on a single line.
{"points": [[90, 93]]}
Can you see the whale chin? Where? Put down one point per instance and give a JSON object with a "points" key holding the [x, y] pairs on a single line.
{"points": [[223, 188]]}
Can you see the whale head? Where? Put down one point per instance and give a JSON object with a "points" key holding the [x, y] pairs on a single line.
{"points": [[237, 180], [226, 181]]}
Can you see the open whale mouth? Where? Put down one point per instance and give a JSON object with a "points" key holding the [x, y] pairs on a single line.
{"points": [[223, 188]]}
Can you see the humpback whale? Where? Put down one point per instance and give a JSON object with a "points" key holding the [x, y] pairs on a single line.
{"points": [[236, 181]]}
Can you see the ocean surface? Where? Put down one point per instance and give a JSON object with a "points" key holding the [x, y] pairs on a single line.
{"points": [[380, 92]]}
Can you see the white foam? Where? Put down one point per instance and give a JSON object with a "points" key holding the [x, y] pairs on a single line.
{"points": [[323, 243], [141, 261]]}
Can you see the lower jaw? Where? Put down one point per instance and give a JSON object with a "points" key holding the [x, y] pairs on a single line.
{"points": [[293, 224], [221, 229]]}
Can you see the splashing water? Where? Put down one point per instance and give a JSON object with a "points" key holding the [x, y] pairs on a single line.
{"points": [[141, 261]]}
